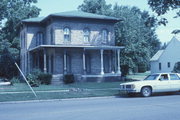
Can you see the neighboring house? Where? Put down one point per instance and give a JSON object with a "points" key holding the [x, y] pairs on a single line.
{"points": [[72, 42], [164, 60]]}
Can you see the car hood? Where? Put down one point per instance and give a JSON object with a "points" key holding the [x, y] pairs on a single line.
{"points": [[138, 82]]}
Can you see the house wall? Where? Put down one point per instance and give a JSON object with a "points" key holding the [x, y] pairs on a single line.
{"points": [[170, 54], [30, 31]]}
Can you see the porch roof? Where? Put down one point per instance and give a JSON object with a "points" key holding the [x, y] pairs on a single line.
{"points": [[85, 47]]}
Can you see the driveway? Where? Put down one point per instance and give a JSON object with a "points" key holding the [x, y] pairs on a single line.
{"points": [[107, 108]]}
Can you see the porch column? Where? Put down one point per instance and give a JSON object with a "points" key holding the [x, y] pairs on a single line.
{"points": [[102, 62], [38, 60], [65, 61], [118, 57], [45, 63], [84, 62]]}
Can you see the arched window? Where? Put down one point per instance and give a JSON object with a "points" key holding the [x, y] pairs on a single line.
{"points": [[67, 34], [86, 35], [39, 38], [104, 36]]}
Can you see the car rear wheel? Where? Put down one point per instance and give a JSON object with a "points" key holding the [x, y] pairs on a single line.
{"points": [[146, 91]]}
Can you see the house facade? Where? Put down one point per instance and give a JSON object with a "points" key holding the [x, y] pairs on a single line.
{"points": [[164, 60], [72, 42]]}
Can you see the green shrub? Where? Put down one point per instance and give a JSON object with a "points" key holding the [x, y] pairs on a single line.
{"points": [[176, 67], [142, 68], [45, 78], [15, 80], [68, 79], [36, 77], [32, 79]]}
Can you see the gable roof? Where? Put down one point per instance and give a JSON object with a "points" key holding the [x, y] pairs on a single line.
{"points": [[73, 14], [157, 55], [160, 52]]}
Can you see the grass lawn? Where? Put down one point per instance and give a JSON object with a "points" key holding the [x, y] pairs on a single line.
{"points": [[21, 91], [138, 76]]}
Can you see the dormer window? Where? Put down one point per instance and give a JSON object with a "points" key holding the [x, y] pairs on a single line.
{"points": [[39, 38], [86, 35], [67, 35], [104, 36]]}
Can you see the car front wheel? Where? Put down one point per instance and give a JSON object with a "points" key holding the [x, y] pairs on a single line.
{"points": [[146, 91]]}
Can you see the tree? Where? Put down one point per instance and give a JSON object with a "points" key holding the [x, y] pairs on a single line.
{"points": [[96, 6], [161, 7], [7, 69], [176, 67], [136, 33], [12, 12]]}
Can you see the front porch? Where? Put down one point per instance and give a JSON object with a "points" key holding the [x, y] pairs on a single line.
{"points": [[85, 61]]}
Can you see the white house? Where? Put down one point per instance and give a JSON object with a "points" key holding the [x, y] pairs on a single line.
{"points": [[164, 60]]}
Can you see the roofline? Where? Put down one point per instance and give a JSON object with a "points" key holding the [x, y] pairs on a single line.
{"points": [[88, 47], [113, 19]]}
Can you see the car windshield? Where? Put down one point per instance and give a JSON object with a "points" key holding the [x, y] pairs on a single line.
{"points": [[152, 77]]}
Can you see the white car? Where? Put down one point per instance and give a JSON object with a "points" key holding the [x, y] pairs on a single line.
{"points": [[159, 82]]}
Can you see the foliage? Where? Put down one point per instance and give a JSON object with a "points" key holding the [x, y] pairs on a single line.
{"points": [[8, 68], [136, 32], [12, 12], [33, 80], [68, 79], [36, 77], [15, 80], [45, 78], [161, 7], [95, 6], [177, 67]]}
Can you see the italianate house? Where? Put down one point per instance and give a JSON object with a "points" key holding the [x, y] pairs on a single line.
{"points": [[75, 42]]}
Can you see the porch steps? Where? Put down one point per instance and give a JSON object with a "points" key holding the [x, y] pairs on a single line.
{"points": [[57, 79]]}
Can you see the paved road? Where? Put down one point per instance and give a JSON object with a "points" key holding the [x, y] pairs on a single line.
{"points": [[123, 108]]}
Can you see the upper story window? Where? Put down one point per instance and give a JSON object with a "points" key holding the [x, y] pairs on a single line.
{"points": [[51, 35], [104, 36], [86, 35], [39, 38], [67, 34]]}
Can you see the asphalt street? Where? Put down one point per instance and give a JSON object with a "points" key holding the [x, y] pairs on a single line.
{"points": [[165, 107]]}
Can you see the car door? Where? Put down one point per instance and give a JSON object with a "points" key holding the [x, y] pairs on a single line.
{"points": [[163, 83], [174, 82]]}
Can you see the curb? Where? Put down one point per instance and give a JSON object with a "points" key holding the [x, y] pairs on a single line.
{"points": [[53, 100]]}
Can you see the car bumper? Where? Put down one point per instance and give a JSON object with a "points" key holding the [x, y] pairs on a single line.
{"points": [[127, 91]]}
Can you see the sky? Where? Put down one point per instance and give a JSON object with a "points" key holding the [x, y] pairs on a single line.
{"points": [[163, 32]]}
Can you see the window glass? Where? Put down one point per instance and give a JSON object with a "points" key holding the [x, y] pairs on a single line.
{"points": [[39, 38], [86, 35], [152, 77], [104, 36], [169, 65], [51, 33], [159, 66], [67, 34], [174, 77], [164, 77]]}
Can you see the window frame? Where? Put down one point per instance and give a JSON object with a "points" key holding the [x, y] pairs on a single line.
{"points": [[104, 35], [175, 75], [67, 34], [86, 35]]}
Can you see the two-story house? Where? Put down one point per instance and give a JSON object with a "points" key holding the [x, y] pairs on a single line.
{"points": [[73, 42]]}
